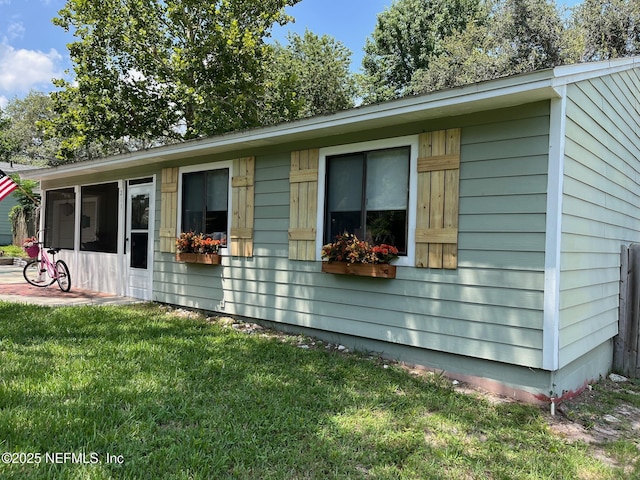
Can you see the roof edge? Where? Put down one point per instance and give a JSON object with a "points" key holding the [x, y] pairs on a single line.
{"points": [[482, 96]]}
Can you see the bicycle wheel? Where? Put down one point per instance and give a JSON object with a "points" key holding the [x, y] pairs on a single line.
{"points": [[35, 276], [63, 277]]}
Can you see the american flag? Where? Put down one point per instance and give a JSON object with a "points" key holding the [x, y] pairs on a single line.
{"points": [[6, 185]]}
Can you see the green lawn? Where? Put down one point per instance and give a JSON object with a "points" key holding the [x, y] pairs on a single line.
{"points": [[163, 396]]}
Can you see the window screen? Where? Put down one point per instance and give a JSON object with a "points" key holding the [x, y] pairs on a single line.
{"points": [[60, 218], [99, 218]]}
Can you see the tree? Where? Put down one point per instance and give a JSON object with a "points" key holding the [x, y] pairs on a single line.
{"points": [[309, 76], [162, 69], [7, 146], [607, 29], [22, 136], [467, 57], [534, 32], [507, 37], [504, 37], [407, 36]]}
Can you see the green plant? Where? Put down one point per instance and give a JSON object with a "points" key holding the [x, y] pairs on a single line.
{"points": [[24, 215], [13, 251], [348, 248]]}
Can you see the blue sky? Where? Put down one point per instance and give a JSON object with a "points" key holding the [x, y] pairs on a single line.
{"points": [[33, 50]]}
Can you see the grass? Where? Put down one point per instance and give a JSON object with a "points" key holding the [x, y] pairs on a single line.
{"points": [[13, 251], [162, 396], [611, 410]]}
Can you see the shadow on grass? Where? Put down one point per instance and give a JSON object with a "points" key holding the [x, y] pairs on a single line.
{"points": [[183, 398]]}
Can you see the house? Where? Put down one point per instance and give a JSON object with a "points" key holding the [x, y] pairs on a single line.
{"points": [[6, 233], [509, 200]]}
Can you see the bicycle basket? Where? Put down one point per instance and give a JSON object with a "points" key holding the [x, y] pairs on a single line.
{"points": [[32, 251]]}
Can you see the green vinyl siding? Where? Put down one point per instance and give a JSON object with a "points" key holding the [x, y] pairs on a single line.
{"points": [[272, 207], [601, 207], [490, 307], [6, 234]]}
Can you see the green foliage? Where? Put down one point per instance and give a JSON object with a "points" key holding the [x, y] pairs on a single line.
{"points": [[27, 208], [14, 251], [7, 146], [26, 136], [467, 56], [607, 29], [309, 76], [22, 136], [25, 194], [162, 70], [406, 38], [490, 39], [534, 33], [504, 37]]}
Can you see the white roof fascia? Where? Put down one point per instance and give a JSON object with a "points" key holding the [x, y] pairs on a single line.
{"points": [[505, 92], [11, 168], [567, 74]]}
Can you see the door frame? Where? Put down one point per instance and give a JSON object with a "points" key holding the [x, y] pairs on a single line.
{"points": [[130, 272]]}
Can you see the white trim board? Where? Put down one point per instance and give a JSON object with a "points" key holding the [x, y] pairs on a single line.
{"points": [[555, 179]]}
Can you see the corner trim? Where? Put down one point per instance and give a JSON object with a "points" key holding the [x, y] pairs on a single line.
{"points": [[553, 235]]}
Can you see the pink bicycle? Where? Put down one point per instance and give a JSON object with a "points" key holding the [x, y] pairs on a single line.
{"points": [[42, 271]]}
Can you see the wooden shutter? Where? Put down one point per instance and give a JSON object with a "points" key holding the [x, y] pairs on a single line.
{"points": [[303, 209], [242, 186], [168, 209], [438, 197]]}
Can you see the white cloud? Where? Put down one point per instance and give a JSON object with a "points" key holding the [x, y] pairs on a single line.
{"points": [[21, 69], [4, 101], [16, 30]]}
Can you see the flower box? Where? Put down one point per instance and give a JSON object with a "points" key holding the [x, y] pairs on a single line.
{"points": [[204, 258], [377, 270]]}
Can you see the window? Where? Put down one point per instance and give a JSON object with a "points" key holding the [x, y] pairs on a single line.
{"points": [[367, 194], [99, 218], [205, 203], [60, 218]]}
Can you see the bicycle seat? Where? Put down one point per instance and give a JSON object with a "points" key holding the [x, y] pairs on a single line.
{"points": [[53, 251]]}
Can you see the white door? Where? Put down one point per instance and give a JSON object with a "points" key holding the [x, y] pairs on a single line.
{"points": [[139, 241]]}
